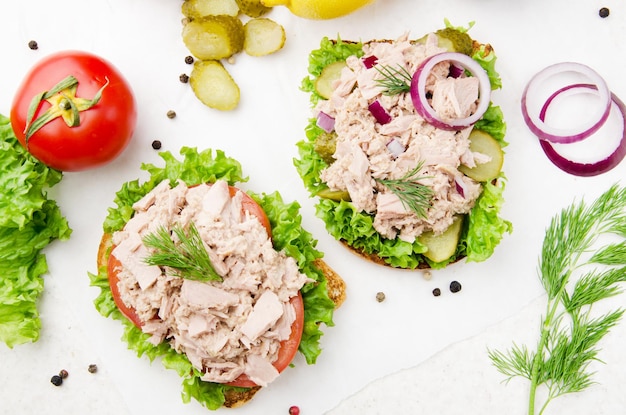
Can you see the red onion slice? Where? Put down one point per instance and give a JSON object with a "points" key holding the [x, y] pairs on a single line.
{"points": [[418, 90], [325, 122], [554, 152], [379, 112], [534, 96], [395, 147]]}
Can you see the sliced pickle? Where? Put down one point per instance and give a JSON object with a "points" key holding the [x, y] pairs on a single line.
{"points": [[330, 73], [334, 194], [263, 36], [253, 8], [325, 145], [195, 9], [481, 142], [214, 86], [443, 246], [214, 37]]}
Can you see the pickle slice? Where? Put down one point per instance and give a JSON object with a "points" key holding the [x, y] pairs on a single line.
{"points": [[334, 194], [253, 8], [214, 86], [442, 246], [195, 9], [330, 73], [214, 37], [481, 142], [263, 36]]}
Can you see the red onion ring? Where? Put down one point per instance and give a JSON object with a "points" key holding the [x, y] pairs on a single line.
{"points": [[586, 169], [418, 90], [545, 131]]}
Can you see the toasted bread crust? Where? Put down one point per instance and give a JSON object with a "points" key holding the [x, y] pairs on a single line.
{"points": [[236, 397]]}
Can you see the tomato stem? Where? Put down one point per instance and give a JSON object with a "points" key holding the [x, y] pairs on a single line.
{"points": [[64, 103]]}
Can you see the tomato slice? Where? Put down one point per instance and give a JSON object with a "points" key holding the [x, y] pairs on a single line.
{"points": [[288, 348]]}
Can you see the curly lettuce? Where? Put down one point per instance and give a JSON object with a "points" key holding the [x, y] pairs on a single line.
{"points": [[482, 231], [287, 233], [29, 221]]}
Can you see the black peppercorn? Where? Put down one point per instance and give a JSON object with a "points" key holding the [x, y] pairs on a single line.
{"points": [[33, 45], [604, 12], [64, 374], [56, 380], [184, 78], [436, 292], [156, 144], [189, 60], [380, 296], [92, 368], [171, 114], [455, 286]]}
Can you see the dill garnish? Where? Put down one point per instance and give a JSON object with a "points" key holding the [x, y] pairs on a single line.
{"points": [[188, 258], [413, 195], [394, 80], [569, 333]]}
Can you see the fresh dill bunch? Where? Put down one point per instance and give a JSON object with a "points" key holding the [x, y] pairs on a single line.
{"points": [[394, 80], [414, 196], [569, 333], [188, 258]]}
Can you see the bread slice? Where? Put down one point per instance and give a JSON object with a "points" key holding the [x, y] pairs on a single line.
{"points": [[237, 397]]}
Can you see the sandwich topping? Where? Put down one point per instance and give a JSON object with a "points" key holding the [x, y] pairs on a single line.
{"points": [[371, 150], [229, 327]]}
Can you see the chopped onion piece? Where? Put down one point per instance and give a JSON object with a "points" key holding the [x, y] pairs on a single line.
{"points": [[369, 61], [379, 112], [325, 122], [395, 147], [420, 100], [562, 155], [460, 186], [537, 93], [456, 71]]}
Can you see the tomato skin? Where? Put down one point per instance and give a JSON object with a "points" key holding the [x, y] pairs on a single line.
{"points": [[105, 129]]}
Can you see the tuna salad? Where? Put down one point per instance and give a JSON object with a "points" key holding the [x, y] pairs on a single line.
{"points": [[228, 327], [372, 157]]}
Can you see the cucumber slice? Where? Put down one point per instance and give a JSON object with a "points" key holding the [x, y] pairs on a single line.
{"points": [[443, 246], [483, 143], [330, 73]]}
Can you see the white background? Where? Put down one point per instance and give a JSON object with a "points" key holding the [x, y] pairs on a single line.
{"points": [[415, 353]]}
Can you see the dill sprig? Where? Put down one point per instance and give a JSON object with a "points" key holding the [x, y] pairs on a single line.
{"points": [[394, 80], [413, 195], [569, 333], [188, 257]]}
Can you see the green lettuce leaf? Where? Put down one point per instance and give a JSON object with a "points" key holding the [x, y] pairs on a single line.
{"points": [[29, 221], [481, 233], [288, 235]]}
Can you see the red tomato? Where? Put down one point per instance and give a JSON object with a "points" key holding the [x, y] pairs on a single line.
{"points": [[104, 129], [288, 347]]}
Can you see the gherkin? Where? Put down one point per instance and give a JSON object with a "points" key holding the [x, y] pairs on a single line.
{"points": [[455, 41], [214, 37], [253, 8], [325, 145]]}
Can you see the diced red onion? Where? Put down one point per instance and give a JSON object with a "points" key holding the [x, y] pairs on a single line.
{"points": [[379, 112], [395, 147], [554, 152], [325, 122], [535, 93], [369, 61], [456, 71], [460, 186], [418, 90]]}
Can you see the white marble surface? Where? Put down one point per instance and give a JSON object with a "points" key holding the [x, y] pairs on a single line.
{"points": [[413, 353]]}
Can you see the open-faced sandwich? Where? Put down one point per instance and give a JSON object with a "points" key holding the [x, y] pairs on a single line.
{"points": [[404, 149], [224, 285]]}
